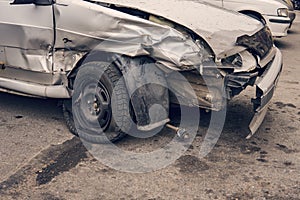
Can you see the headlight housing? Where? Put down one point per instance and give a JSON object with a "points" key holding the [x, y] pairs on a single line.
{"points": [[241, 62], [260, 43], [283, 12]]}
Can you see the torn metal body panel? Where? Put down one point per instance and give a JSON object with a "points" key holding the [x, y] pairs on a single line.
{"points": [[148, 91], [219, 31], [122, 34], [207, 88], [43, 48]]}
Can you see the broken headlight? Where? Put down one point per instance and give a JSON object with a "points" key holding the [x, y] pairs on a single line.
{"points": [[259, 44], [236, 60], [243, 61]]}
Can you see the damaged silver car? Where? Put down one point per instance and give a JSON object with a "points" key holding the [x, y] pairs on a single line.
{"points": [[81, 51]]}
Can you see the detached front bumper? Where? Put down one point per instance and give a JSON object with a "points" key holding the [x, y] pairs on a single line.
{"points": [[265, 86]]}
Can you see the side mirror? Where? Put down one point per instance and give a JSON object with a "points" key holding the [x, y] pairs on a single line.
{"points": [[36, 2]]}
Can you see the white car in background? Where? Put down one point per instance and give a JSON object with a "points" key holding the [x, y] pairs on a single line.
{"points": [[292, 14], [273, 13]]}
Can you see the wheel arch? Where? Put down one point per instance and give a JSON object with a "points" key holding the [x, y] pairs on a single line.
{"points": [[94, 56], [258, 15], [139, 98]]}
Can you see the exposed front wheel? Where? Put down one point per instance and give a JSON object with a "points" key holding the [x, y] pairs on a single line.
{"points": [[90, 115]]}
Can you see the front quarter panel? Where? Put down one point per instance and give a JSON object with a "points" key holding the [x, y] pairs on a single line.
{"points": [[99, 28]]}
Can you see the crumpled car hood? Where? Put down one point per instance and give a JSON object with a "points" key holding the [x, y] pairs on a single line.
{"points": [[219, 27]]}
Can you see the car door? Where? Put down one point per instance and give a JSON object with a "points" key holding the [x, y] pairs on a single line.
{"points": [[26, 40]]}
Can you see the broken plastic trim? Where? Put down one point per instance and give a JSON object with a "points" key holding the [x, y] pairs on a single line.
{"points": [[265, 87], [260, 43], [237, 82], [257, 121]]}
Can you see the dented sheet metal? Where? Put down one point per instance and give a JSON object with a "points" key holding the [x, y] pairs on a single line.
{"points": [[27, 36], [105, 29], [52, 41], [220, 29]]}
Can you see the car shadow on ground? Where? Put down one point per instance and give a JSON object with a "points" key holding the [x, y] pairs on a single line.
{"points": [[40, 108], [238, 114], [60, 158], [282, 45], [238, 117], [292, 32], [235, 128]]}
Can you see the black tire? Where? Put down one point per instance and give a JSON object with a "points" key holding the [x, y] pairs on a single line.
{"points": [[68, 116], [91, 115]]}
